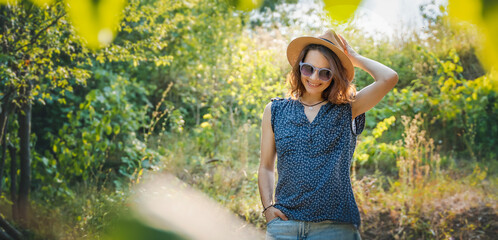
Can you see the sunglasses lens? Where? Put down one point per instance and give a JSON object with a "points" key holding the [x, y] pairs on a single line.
{"points": [[306, 69], [324, 75]]}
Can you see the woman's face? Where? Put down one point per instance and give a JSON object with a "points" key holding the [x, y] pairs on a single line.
{"points": [[312, 84]]}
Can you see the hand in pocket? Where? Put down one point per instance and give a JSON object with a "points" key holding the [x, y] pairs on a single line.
{"points": [[273, 212]]}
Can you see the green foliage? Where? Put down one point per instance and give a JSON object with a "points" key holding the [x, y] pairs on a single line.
{"points": [[39, 51], [241, 94], [371, 152], [467, 108], [99, 137]]}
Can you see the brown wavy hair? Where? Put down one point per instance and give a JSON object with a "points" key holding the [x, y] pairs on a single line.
{"points": [[339, 91]]}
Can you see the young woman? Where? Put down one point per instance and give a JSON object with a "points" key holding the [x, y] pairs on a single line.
{"points": [[313, 134]]}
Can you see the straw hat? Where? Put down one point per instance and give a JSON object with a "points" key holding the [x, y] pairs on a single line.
{"points": [[330, 40]]}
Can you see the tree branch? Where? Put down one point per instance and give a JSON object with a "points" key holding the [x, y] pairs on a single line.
{"points": [[33, 40], [4, 235], [13, 179], [9, 229]]}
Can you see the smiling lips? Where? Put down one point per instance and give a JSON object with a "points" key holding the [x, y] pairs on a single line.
{"points": [[313, 85]]}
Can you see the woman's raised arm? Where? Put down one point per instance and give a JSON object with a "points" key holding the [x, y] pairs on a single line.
{"points": [[385, 79]]}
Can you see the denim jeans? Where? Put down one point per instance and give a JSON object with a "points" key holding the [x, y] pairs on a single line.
{"points": [[278, 229]]}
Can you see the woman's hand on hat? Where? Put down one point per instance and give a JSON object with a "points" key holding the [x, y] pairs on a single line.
{"points": [[350, 52], [273, 212]]}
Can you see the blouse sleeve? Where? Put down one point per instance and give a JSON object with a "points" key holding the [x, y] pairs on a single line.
{"points": [[274, 106], [358, 124]]}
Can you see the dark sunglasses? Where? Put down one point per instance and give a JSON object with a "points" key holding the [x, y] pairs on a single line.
{"points": [[307, 70]]}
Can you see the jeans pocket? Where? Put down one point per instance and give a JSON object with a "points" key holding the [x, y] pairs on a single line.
{"points": [[272, 221]]}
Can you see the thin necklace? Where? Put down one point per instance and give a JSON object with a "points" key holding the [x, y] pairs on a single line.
{"points": [[310, 107]]}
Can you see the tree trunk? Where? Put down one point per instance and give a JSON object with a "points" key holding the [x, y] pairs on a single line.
{"points": [[13, 180], [2, 162], [24, 118], [4, 121], [4, 116], [25, 161]]}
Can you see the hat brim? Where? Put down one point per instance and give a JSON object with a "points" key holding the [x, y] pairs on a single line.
{"points": [[297, 45]]}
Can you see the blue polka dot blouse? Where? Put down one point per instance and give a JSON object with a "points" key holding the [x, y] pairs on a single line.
{"points": [[314, 161]]}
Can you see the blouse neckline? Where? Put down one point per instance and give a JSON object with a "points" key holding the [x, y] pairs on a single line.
{"points": [[303, 114]]}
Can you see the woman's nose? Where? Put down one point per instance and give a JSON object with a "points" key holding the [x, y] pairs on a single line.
{"points": [[314, 75]]}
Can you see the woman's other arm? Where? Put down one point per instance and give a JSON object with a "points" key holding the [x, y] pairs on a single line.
{"points": [[266, 173], [385, 79]]}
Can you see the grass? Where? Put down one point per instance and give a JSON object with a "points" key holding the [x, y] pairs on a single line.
{"points": [[433, 209]]}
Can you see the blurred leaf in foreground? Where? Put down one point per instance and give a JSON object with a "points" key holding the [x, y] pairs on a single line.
{"points": [[341, 10], [96, 21], [248, 5], [484, 14], [42, 3], [132, 229], [167, 208]]}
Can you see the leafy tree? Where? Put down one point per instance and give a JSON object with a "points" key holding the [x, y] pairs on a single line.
{"points": [[40, 62]]}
